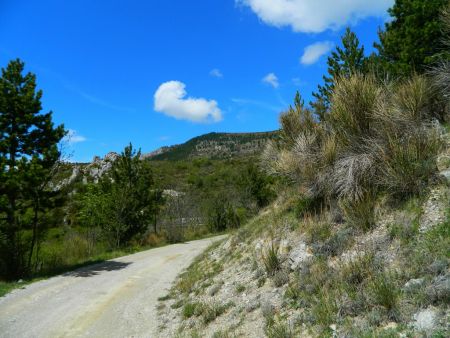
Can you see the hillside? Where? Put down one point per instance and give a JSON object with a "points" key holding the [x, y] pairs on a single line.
{"points": [[287, 274], [215, 146]]}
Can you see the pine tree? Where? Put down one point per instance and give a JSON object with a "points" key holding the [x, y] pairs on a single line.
{"points": [[343, 62], [28, 153], [412, 40], [133, 201]]}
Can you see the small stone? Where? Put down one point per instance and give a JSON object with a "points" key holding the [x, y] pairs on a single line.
{"points": [[252, 305], [425, 320], [438, 267], [413, 284], [439, 290], [298, 255], [214, 289]]}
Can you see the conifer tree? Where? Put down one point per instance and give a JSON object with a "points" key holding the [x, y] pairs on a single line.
{"points": [[28, 154], [133, 200], [413, 39], [343, 62]]}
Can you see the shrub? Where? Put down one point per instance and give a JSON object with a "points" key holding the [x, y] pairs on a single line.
{"points": [[240, 288], [359, 270], [360, 213], [324, 308], [385, 292], [305, 205], [270, 258], [404, 228], [376, 138], [191, 309], [279, 330], [213, 310], [409, 161], [280, 278]]}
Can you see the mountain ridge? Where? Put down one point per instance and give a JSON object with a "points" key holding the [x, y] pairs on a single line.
{"points": [[214, 145]]}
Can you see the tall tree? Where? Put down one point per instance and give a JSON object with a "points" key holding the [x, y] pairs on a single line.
{"points": [[343, 62], [125, 203], [412, 40], [28, 154]]}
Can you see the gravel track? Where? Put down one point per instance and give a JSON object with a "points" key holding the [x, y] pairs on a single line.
{"points": [[116, 298]]}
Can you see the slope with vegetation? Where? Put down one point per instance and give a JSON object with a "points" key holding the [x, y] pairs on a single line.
{"points": [[215, 146], [359, 248], [356, 245]]}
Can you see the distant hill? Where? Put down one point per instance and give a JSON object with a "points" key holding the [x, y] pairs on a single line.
{"points": [[215, 146]]}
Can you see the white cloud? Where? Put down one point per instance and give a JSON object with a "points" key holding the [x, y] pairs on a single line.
{"points": [[73, 137], [313, 52], [271, 79], [315, 16], [170, 99], [216, 73]]}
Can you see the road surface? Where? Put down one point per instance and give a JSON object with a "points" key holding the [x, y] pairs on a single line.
{"points": [[116, 298]]}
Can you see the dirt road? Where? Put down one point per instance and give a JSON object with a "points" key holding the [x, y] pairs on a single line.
{"points": [[116, 298]]}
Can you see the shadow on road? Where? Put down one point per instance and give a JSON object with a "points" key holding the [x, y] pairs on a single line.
{"points": [[95, 269]]}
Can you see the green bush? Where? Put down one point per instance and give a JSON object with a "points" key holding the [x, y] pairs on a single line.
{"points": [[270, 258], [191, 309], [306, 205], [360, 213], [385, 292]]}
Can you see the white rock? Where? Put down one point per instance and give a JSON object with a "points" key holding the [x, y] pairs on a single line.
{"points": [[425, 320], [298, 255]]}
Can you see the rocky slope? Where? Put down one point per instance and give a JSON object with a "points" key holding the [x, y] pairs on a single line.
{"points": [[314, 276], [214, 145]]}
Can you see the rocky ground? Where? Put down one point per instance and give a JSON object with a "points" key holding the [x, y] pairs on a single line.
{"points": [[284, 276]]}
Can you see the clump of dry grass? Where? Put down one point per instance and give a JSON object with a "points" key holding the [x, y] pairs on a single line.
{"points": [[377, 137]]}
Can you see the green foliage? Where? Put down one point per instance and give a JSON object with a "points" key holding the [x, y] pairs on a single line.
{"points": [[230, 145], [257, 186], [412, 40], [385, 292], [343, 62], [191, 309], [270, 258], [279, 330], [305, 205], [28, 155], [222, 215], [360, 214], [208, 311], [213, 310], [124, 204], [215, 194]]}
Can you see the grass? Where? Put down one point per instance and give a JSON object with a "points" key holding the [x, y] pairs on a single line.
{"points": [[208, 311], [240, 288], [385, 292], [271, 260], [201, 269], [6, 287], [69, 262], [214, 310], [191, 309], [279, 330]]}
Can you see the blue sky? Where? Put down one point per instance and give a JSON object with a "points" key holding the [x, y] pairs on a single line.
{"points": [[160, 72]]}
